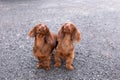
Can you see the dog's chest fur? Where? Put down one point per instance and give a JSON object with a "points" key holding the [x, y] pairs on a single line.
{"points": [[66, 44], [41, 46], [39, 42]]}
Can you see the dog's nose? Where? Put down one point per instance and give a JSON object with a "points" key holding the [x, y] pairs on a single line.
{"points": [[67, 27], [41, 28]]}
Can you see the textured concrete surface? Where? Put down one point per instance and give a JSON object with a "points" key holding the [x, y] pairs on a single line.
{"points": [[97, 56]]}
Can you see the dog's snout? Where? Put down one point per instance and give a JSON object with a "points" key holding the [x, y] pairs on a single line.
{"points": [[66, 27], [41, 28]]}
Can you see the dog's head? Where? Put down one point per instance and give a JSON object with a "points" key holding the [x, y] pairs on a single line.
{"points": [[69, 28], [39, 29]]}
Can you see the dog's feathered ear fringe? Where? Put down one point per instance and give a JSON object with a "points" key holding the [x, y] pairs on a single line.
{"points": [[61, 33], [32, 32], [48, 36], [75, 34]]}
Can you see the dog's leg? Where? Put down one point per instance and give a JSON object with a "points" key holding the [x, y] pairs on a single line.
{"points": [[57, 59], [47, 63], [37, 55], [69, 61], [40, 64]]}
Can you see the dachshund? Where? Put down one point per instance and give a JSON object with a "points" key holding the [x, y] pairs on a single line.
{"points": [[67, 36], [44, 43]]}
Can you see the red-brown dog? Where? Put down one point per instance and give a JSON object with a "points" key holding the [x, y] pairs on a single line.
{"points": [[67, 35], [45, 42]]}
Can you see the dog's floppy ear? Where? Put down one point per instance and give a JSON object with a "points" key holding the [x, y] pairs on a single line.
{"points": [[61, 33], [32, 32], [48, 36], [75, 34]]}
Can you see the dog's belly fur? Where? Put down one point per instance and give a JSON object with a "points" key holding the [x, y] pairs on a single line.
{"points": [[67, 47], [41, 54], [65, 50]]}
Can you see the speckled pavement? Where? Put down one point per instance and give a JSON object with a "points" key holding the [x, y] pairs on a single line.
{"points": [[97, 56]]}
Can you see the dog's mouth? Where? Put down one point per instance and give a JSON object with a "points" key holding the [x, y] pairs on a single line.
{"points": [[67, 30], [41, 32]]}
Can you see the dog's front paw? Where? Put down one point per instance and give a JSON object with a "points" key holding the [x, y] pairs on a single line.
{"points": [[39, 65], [57, 64], [47, 68], [70, 67]]}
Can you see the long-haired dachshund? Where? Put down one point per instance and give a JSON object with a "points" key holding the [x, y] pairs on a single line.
{"points": [[67, 35], [44, 43]]}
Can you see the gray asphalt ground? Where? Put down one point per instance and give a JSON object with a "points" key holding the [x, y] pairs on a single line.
{"points": [[97, 56]]}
